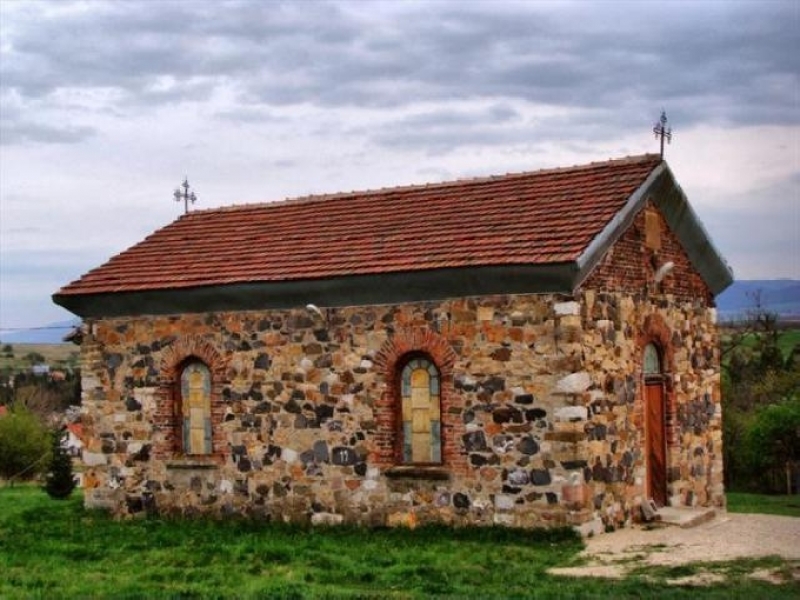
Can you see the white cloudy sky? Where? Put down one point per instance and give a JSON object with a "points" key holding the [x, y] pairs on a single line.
{"points": [[105, 106]]}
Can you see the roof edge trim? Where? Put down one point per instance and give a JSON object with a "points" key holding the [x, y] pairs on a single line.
{"points": [[598, 247]]}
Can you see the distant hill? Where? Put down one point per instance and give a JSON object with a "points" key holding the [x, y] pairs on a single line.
{"points": [[780, 296], [52, 333]]}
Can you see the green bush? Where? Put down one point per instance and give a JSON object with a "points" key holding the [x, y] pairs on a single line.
{"points": [[24, 445], [772, 443], [60, 480]]}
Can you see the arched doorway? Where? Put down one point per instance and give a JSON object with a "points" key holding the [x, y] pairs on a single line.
{"points": [[655, 424]]}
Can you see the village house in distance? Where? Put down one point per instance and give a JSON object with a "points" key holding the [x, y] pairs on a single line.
{"points": [[530, 349]]}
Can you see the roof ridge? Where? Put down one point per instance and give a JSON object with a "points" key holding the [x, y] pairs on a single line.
{"points": [[324, 197]]}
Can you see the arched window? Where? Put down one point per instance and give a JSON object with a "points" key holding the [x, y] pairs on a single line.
{"points": [[421, 433], [195, 408], [651, 361]]}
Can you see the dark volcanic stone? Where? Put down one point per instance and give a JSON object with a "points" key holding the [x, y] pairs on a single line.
{"points": [[262, 361], [506, 414], [474, 441], [323, 412], [344, 456], [477, 460], [572, 465], [461, 500], [524, 399], [540, 477], [528, 445], [321, 453]]}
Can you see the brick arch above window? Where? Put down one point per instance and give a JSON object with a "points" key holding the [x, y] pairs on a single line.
{"points": [[168, 437], [389, 361], [656, 331]]}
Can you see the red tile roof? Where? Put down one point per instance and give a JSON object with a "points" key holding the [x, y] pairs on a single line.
{"points": [[535, 218]]}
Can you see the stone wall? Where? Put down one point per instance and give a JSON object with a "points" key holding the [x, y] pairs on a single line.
{"points": [[542, 410], [542, 418]]}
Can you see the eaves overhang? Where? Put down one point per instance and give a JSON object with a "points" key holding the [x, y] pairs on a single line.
{"points": [[361, 290], [664, 191]]}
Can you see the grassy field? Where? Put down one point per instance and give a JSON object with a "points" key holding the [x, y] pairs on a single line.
{"points": [[55, 355], [788, 338], [740, 502], [54, 549]]}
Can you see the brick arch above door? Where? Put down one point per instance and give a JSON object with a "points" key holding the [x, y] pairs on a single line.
{"points": [[655, 330]]}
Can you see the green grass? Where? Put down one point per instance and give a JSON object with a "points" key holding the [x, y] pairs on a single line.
{"points": [[55, 549], [740, 502]]}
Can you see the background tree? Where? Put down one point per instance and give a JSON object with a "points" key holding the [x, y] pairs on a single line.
{"points": [[34, 358], [757, 374], [60, 480], [24, 445], [8, 351], [772, 443]]}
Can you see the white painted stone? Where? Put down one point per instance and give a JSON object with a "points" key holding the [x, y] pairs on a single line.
{"points": [[120, 417], [326, 519], [569, 413], [373, 473], [94, 459], [596, 395], [504, 518], [366, 364], [134, 447], [518, 391], [289, 455], [605, 324], [575, 383], [503, 502], [567, 308], [469, 427], [370, 484], [146, 397], [226, 486], [306, 364], [591, 528]]}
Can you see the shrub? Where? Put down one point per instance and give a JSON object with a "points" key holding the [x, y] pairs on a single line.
{"points": [[24, 445], [60, 480]]}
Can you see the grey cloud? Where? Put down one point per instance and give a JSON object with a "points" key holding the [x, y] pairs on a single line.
{"points": [[20, 132], [697, 59]]}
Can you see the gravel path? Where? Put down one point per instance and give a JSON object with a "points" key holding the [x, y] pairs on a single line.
{"points": [[726, 537]]}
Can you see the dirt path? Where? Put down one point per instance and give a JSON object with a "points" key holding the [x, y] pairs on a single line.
{"points": [[726, 537]]}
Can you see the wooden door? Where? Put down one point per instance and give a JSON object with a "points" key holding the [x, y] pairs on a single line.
{"points": [[655, 434]]}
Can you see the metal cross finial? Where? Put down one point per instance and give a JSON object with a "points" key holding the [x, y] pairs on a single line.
{"points": [[661, 130], [185, 195]]}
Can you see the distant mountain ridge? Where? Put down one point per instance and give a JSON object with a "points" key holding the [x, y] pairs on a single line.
{"points": [[52, 333], [781, 296]]}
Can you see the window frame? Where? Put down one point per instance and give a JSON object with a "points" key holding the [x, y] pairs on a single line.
{"points": [[404, 390], [184, 422]]}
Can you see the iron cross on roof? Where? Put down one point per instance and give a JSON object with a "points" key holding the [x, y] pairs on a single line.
{"points": [[185, 195], [661, 130]]}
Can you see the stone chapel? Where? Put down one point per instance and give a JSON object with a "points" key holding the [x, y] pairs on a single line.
{"points": [[529, 349]]}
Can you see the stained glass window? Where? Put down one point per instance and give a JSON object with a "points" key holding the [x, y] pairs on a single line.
{"points": [[651, 361], [196, 408], [421, 412]]}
